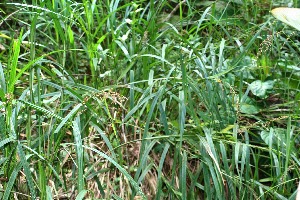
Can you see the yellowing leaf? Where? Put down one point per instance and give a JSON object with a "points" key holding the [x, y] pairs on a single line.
{"points": [[290, 16]]}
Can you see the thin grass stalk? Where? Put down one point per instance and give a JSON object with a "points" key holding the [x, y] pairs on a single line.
{"points": [[41, 168], [12, 67], [289, 147]]}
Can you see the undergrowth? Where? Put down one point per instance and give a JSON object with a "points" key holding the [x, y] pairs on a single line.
{"points": [[147, 100]]}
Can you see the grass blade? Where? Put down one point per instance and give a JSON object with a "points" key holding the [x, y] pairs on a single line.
{"points": [[79, 155], [27, 171]]}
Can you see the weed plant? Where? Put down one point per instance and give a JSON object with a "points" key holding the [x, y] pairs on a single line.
{"points": [[147, 100]]}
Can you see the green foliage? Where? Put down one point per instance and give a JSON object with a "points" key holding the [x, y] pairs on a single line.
{"points": [[147, 100]]}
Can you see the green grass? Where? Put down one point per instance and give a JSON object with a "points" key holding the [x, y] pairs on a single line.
{"points": [[147, 100]]}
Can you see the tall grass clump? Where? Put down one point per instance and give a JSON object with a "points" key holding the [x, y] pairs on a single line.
{"points": [[147, 100]]}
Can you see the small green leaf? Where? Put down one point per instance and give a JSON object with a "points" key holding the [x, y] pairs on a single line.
{"points": [[249, 109], [259, 88]]}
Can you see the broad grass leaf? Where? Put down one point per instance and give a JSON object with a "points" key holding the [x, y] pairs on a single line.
{"points": [[11, 181], [27, 171]]}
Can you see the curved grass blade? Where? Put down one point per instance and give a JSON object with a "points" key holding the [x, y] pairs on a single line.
{"points": [[81, 195], [41, 109], [6, 141], [159, 171], [11, 181], [66, 118], [49, 165], [143, 160], [124, 172], [105, 138], [27, 171]]}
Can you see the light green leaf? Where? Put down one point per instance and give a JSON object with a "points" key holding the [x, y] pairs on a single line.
{"points": [[81, 195], [79, 153], [290, 16], [48, 193], [259, 88], [249, 109]]}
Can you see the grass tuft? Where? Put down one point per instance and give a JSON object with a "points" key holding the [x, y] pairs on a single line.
{"points": [[147, 100]]}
